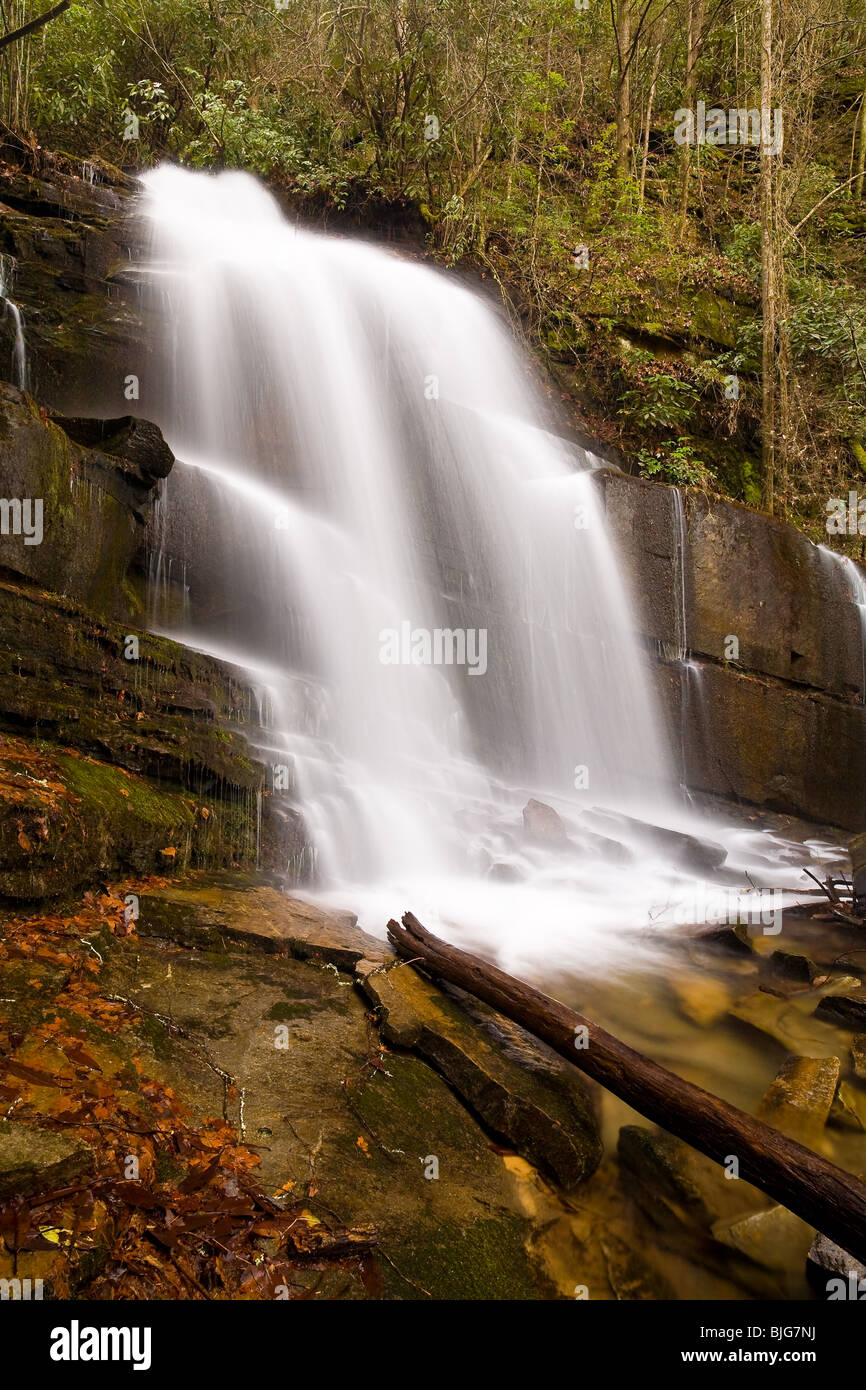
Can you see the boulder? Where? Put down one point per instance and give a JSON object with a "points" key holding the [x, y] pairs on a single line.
{"points": [[791, 966], [543, 823], [522, 1090], [93, 504], [686, 851]]}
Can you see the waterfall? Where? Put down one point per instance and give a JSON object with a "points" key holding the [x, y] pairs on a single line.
{"points": [[857, 589], [382, 521], [19, 347]]}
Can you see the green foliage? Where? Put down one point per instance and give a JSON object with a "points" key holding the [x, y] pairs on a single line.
{"points": [[334, 103], [675, 463], [662, 402]]}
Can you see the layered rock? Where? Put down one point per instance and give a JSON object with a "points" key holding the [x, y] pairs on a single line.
{"points": [[93, 483], [759, 650], [70, 239]]}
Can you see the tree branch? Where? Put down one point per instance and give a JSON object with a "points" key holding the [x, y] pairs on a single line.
{"points": [[34, 24]]}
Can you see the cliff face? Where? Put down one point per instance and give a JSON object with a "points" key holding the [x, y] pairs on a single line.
{"points": [[86, 509], [68, 238], [121, 753], [768, 707], [775, 718]]}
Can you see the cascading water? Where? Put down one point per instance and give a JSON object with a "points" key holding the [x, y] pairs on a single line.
{"points": [[10, 308], [381, 487], [857, 588]]}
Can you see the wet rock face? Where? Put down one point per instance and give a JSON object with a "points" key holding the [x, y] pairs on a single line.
{"points": [[137, 445], [524, 1093], [111, 765], [87, 493], [69, 234], [770, 707], [782, 724]]}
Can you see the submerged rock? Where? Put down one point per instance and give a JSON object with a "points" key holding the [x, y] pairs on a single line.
{"points": [[849, 1108], [847, 1010], [631, 1279], [796, 1031], [701, 998], [775, 1239], [798, 1100], [678, 1187]]}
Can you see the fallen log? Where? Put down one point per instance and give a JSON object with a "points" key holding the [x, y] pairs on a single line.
{"points": [[821, 1194], [857, 850]]}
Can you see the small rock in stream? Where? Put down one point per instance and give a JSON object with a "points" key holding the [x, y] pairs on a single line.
{"points": [[828, 1261], [701, 998], [843, 1009], [797, 1102], [849, 1108], [542, 822]]}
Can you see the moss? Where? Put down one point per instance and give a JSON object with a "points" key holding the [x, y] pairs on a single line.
{"points": [[284, 1012], [157, 1035], [489, 1261], [126, 798]]}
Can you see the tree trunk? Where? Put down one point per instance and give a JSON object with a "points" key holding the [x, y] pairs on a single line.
{"points": [[646, 132], [690, 87], [768, 279], [861, 149], [623, 86]]}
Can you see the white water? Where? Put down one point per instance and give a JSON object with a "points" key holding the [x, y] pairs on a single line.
{"points": [[19, 347], [363, 438], [857, 586]]}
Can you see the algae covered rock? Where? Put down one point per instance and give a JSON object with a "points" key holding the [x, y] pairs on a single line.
{"points": [[77, 514], [523, 1091], [34, 1159]]}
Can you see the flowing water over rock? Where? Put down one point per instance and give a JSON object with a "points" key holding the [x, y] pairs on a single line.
{"points": [[411, 561], [11, 310], [857, 586]]}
